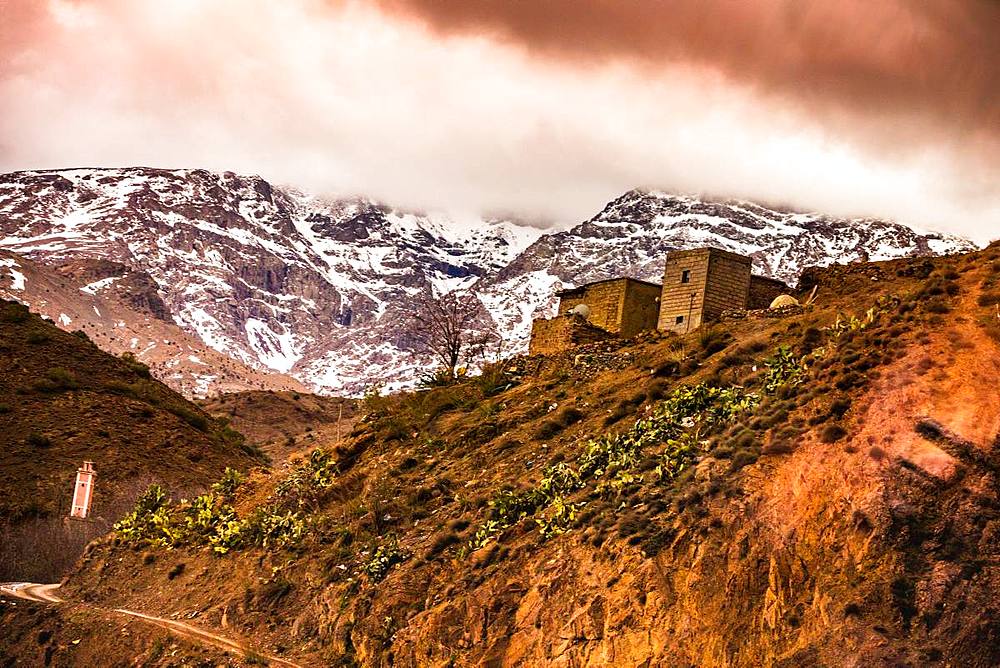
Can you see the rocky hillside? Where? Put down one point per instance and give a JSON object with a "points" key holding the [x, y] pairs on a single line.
{"points": [[122, 311], [63, 400], [282, 281], [280, 423], [815, 488]]}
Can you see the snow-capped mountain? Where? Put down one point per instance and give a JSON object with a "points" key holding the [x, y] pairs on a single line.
{"points": [[281, 280], [121, 311], [273, 277], [633, 233]]}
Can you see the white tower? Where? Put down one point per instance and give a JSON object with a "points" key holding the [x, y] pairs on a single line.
{"points": [[83, 491]]}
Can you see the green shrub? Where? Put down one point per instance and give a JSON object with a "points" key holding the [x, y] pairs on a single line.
{"points": [[14, 313], [122, 388], [742, 459], [4, 408], [442, 541], [383, 558], [840, 406], [192, 417], [36, 338], [149, 520], [712, 340], [134, 365], [613, 458], [229, 483], [57, 379], [556, 424], [440, 378], [989, 299], [621, 410], [493, 380], [306, 481], [557, 518], [938, 306], [783, 369], [832, 433]]}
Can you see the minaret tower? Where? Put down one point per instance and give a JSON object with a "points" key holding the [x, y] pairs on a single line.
{"points": [[84, 491]]}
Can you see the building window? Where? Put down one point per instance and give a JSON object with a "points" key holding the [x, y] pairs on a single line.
{"points": [[679, 320], [686, 276]]}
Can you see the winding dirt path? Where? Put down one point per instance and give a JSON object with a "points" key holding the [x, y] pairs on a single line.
{"points": [[45, 593]]}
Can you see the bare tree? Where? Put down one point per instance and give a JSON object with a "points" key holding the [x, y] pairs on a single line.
{"points": [[455, 329]]}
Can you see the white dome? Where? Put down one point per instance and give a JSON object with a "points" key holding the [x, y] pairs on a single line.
{"points": [[784, 300]]}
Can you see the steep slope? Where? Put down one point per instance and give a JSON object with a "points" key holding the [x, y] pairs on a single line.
{"points": [[272, 277], [633, 233], [815, 488], [122, 311]]}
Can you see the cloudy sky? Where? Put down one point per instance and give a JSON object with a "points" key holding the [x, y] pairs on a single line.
{"points": [[542, 109]]}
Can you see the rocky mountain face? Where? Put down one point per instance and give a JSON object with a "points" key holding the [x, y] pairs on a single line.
{"points": [[282, 281], [122, 311], [274, 278]]}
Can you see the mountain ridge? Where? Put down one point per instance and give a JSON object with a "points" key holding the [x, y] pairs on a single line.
{"points": [[284, 281]]}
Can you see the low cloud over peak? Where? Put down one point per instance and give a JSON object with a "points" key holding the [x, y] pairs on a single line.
{"points": [[540, 109]]}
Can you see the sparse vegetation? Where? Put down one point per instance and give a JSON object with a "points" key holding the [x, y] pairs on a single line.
{"points": [[57, 379], [383, 558]]}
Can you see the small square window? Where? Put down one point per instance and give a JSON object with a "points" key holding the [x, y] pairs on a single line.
{"points": [[679, 319], [686, 276]]}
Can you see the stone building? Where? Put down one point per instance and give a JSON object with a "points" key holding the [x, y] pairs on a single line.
{"points": [[699, 285], [620, 307], [702, 283]]}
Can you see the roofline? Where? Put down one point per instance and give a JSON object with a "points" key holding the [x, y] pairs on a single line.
{"points": [[607, 280], [711, 250]]}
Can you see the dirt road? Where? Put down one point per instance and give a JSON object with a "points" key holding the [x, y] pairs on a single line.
{"points": [[45, 593]]}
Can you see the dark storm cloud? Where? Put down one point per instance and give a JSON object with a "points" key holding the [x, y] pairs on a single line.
{"points": [[545, 109], [934, 60]]}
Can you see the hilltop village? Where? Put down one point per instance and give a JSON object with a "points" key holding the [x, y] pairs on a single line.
{"points": [[699, 286]]}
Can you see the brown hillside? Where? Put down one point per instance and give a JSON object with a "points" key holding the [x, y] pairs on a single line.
{"points": [[819, 488], [280, 423], [63, 400]]}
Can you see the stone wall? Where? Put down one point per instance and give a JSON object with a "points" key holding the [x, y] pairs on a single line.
{"points": [[622, 306], [550, 336], [681, 302], [728, 283], [763, 291], [640, 309]]}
